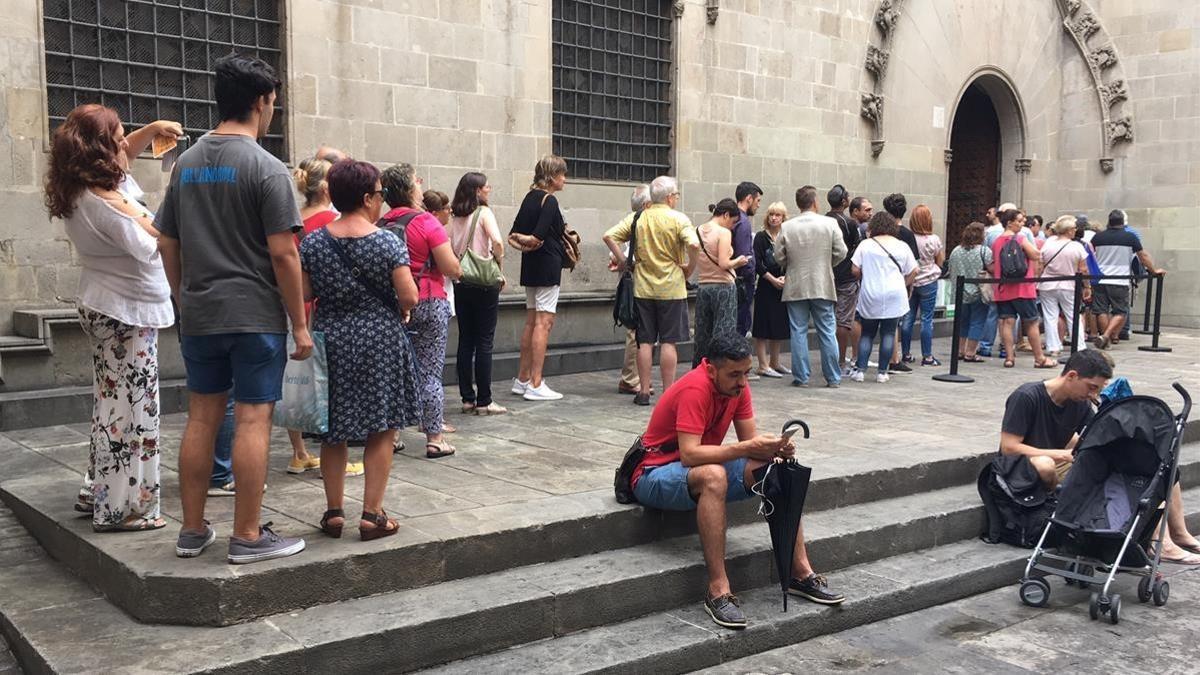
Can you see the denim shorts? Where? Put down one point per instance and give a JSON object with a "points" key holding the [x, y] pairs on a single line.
{"points": [[666, 487], [249, 363]]}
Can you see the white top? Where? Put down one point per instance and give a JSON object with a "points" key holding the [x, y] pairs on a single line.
{"points": [[883, 294], [1063, 256], [122, 274]]}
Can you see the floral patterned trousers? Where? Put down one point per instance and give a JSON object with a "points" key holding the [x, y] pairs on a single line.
{"points": [[122, 480], [429, 326]]}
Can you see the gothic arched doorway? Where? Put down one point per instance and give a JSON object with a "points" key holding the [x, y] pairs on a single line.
{"points": [[975, 162]]}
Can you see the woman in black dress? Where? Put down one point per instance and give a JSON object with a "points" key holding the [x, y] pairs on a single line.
{"points": [[537, 232], [770, 328]]}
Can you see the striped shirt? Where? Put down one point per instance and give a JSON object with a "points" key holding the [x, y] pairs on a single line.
{"points": [[1115, 248]]}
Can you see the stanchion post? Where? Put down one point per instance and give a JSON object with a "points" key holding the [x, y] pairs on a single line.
{"points": [[955, 333], [1150, 285], [1154, 346], [1075, 312]]}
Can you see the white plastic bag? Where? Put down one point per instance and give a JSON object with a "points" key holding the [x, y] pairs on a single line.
{"points": [[305, 403]]}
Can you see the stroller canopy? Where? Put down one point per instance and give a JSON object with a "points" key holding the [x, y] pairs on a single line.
{"points": [[1124, 456]]}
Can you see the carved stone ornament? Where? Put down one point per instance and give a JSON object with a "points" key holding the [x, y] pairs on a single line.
{"points": [[1023, 165], [711, 9], [1103, 57], [1085, 26], [1106, 164], [877, 61], [1114, 92], [679, 6], [872, 108], [1072, 7], [948, 155], [877, 147], [1120, 129], [887, 15]]}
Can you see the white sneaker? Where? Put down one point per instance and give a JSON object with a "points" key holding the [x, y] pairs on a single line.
{"points": [[771, 372], [882, 377], [856, 375], [519, 388], [541, 393]]}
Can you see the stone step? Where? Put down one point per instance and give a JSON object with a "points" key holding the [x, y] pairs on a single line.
{"points": [[685, 639], [462, 618], [148, 581]]}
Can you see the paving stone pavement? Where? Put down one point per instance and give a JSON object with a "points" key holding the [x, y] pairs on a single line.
{"points": [[995, 633], [571, 446]]}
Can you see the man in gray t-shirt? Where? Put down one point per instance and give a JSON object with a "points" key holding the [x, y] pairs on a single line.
{"points": [[227, 247]]}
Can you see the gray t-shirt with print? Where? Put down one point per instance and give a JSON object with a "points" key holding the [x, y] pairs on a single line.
{"points": [[226, 196]]}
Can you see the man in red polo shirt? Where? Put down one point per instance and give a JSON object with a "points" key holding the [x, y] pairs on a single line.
{"points": [[689, 466]]}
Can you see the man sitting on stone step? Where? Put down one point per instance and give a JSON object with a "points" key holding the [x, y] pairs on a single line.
{"points": [[689, 466]]}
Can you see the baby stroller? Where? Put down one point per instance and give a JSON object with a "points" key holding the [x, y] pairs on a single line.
{"points": [[1110, 505]]}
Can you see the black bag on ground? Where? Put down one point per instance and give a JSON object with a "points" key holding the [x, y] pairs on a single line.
{"points": [[623, 482], [1015, 519]]}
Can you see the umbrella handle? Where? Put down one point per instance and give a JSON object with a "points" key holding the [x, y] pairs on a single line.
{"points": [[795, 423]]}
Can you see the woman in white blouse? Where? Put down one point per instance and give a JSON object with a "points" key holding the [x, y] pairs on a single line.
{"points": [[123, 301]]}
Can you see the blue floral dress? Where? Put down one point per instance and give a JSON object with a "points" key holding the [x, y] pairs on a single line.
{"points": [[372, 373]]}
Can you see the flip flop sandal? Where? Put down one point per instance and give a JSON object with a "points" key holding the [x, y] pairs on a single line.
{"points": [[1009, 364], [84, 507], [1191, 560], [1190, 548], [448, 429], [972, 359], [1047, 364], [438, 450]]}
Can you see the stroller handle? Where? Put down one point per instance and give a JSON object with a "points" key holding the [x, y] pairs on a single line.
{"points": [[1187, 399]]}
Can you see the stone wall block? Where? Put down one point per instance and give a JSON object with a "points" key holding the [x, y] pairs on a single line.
{"points": [[372, 26], [401, 66], [426, 107], [389, 143], [355, 100], [448, 147], [714, 167], [40, 252], [24, 110], [454, 74], [460, 11], [423, 8]]}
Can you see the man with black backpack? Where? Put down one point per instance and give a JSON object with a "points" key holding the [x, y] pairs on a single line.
{"points": [[630, 382], [846, 285]]}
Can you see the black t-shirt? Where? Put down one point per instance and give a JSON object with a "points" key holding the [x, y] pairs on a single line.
{"points": [[852, 237], [542, 267], [1031, 414], [906, 235]]}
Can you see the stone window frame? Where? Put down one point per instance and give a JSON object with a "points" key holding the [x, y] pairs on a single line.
{"points": [[623, 133], [169, 45]]}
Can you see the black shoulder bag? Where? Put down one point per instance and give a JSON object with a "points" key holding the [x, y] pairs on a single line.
{"points": [[624, 305], [623, 481]]}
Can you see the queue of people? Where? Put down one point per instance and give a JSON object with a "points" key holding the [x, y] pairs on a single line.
{"points": [[380, 265]]}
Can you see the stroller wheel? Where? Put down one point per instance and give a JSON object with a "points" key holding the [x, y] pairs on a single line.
{"points": [[1162, 591], [1094, 606], [1035, 592], [1114, 609], [1144, 592]]}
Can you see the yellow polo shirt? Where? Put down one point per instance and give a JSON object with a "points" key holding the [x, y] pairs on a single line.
{"points": [[663, 236]]}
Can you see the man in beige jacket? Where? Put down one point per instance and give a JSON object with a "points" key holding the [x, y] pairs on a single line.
{"points": [[809, 246]]}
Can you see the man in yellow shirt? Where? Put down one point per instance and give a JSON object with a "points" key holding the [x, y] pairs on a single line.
{"points": [[659, 279]]}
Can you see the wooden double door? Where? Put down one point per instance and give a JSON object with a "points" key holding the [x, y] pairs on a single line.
{"points": [[975, 165]]}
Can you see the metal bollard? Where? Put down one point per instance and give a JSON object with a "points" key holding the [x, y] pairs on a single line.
{"points": [[1154, 346], [955, 334]]}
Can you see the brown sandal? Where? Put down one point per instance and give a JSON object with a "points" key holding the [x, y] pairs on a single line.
{"points": [[1047, 363], [384, 526], [330, 529], [438, 450]]}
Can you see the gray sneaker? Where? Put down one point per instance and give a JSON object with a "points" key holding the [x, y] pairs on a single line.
{"points": [[268, 546], [192, 543], [725, 611]]}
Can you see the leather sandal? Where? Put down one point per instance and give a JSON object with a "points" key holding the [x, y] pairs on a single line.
{"points": [[384, 526], [438, 450], [332, 530]]}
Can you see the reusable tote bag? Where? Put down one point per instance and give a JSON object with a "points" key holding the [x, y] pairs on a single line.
{"points": [[305, 403]]}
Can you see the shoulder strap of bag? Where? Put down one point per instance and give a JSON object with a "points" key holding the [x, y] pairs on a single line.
{"points": [[1047, 263], [339, 247], [700, 236], [889, 254], [629, 259], [471, 232]]}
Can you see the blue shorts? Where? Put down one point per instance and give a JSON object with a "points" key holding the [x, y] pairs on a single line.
{"points": [[666, 487], [250, 363]]}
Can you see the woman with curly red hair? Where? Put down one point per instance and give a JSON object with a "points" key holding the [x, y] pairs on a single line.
{"points": [[123, 300]]}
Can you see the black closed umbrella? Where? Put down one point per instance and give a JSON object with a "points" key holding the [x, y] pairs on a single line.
{"points": [[783, 486]]}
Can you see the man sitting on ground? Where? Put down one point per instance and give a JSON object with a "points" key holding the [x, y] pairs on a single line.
{"points": [[1042, 421], [688, 465]]}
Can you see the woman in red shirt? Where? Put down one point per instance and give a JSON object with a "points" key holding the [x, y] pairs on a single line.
{"points": [[1018, 299]]}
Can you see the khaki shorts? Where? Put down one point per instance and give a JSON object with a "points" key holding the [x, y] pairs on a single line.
{"points": [[847, 300], [1061, 470]]}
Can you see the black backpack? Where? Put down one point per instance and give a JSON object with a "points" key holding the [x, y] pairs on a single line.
{"points": [[1013, 263], [1019, 519], [625, 311]]}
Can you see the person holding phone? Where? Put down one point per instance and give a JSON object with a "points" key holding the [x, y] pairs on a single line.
{"points": [[689, 466]]}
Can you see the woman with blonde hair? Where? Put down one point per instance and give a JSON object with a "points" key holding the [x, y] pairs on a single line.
{"points": [[770, 327], [537, 232], [1062, 256]]}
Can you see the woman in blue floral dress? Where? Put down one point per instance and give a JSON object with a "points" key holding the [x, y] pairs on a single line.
{"points": [[360, 277]]}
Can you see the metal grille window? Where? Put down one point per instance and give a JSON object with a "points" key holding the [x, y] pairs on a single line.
{"points": [[612, 87], [152, 59]]}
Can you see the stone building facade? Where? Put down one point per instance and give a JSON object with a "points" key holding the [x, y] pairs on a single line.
{"points": [[1094, 105]]}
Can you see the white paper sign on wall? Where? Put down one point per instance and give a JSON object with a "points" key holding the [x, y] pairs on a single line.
{"points": [[939, 117]]}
